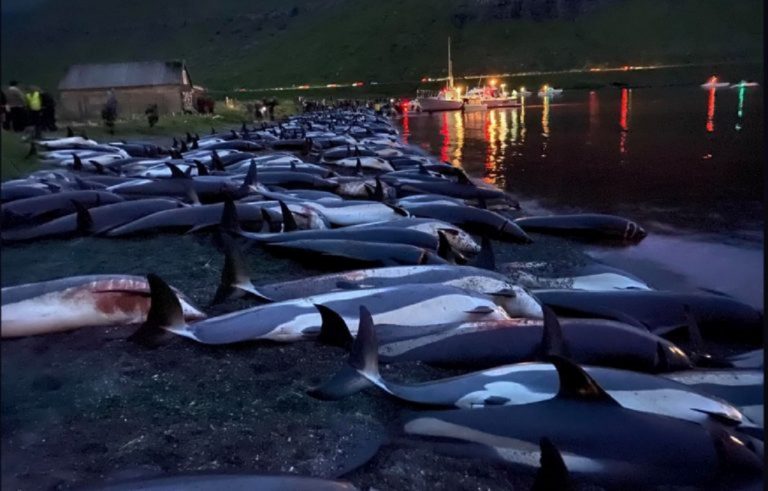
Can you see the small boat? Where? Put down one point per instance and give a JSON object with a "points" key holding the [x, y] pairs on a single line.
{"points": [[524, 93], [491, 96], [712, 83], [548, 91], [447, 99], [744, 83]]}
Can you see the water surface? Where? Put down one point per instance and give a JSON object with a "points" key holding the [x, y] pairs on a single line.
{"points": [[683, 161]]}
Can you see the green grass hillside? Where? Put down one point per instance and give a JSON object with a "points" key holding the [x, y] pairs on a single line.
{"points": [[242, 43]]}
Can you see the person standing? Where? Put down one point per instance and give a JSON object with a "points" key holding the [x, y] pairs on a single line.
{"points": [[17, 107], [35, 106], [109, 111], [48, 114]]}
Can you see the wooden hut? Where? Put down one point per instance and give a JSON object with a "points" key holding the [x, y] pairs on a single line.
{"points": [[83, 90]]}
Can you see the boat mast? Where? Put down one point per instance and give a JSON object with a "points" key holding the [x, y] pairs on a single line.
{"points": [[450, 65]]}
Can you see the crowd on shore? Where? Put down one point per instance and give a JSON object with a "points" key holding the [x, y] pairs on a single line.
{"points": [[33, 108]]}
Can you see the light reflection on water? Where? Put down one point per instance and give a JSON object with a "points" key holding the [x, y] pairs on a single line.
{"points": [[641, 153]]}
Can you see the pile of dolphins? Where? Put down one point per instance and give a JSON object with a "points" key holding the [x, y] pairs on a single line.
{"points": [[586, 381]]}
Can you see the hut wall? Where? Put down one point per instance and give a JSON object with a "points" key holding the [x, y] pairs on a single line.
{"points": [[87, 103]]}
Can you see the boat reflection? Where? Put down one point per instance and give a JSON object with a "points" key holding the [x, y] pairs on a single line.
{"points": [[458, 123], [740, 109], [545, 126], [446, 142], [624, 121], [711, 111], [406, 124]]}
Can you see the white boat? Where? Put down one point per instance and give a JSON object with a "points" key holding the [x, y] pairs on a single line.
{"points": [[548, 91], [712, 83], [444, 100], [744, 83], [447, 99], [491, 97]]}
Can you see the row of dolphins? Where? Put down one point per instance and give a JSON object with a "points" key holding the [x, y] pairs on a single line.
{"points": [[580, 376]]}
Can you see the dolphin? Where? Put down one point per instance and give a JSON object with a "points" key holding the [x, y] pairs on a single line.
{"points": [[80, 301], [599, 440], [41, 208], [489, 343], [587, 225], [473, 220], [742, 388], [94, 221], [459, 239], [298, 319], [719, 317], [521, 383]]}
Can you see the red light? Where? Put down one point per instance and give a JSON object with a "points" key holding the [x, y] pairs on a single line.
{"points": [[711, 111], [624, 109], [357, 84], [424, 79]]}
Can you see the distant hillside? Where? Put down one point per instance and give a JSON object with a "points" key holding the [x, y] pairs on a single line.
{"points": [[244, 43]]}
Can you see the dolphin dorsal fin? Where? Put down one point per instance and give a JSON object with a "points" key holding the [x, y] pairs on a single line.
{"points": [[289, 222], [235, 273], [84, 219], [176, 173], [576, 384], [333, 330], [202, 170], [552, 474], [77, 163], [164, 312], [552, 338]]}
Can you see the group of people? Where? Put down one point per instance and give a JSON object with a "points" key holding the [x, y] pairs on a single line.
{"points": [[20, 110], [262, 110], [379, 105]]}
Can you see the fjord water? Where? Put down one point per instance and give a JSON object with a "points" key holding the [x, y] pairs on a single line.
{"points": [[685, 162]]}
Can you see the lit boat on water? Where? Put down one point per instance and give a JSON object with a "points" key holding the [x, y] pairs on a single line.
{"points": [[447, 99], [524, 93], [744, 83], [713, 83], [490, 96], [548, 91]]}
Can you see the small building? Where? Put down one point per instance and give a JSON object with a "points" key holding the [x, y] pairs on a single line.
{"points": [[83, 90]]}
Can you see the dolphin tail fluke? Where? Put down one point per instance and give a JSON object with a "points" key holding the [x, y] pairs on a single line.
{"points": [[235, 276], [362, 368], [289, 222], [334, 330], [552, 474], [164, 313], [486, 259]]}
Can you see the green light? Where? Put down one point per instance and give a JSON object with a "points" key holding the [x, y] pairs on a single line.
{"points": [[740, 112]]}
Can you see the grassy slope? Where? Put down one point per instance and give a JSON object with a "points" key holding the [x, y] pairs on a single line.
{"points": [[255, 44]]}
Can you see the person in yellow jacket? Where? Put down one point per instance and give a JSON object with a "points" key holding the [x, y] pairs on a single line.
{"points": [[35, 106]]}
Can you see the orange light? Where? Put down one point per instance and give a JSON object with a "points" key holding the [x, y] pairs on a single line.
{"points": [[492, 82]]}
